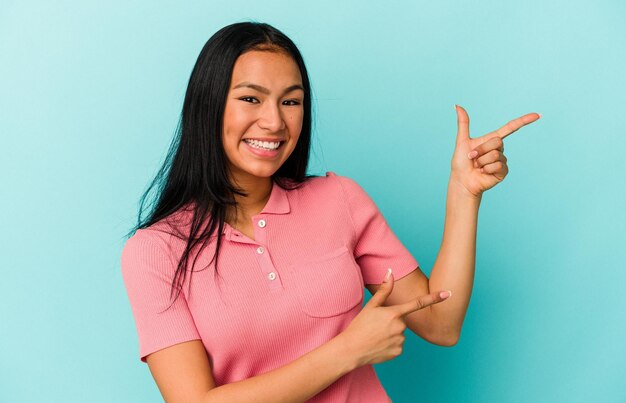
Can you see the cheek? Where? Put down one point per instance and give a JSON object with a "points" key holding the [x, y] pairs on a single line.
{"points": [[231, 123], [236, 119], [294, 121], [230, 132]]}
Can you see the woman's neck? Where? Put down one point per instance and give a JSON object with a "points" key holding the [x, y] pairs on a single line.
{"points": [[258, 193]]}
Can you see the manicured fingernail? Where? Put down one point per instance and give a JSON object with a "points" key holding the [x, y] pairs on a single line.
{"points": [[540, 115], [472, 154], [445, 294], [388, 276]]}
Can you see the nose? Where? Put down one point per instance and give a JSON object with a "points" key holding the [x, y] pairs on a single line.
{"points": [[271, 118]]}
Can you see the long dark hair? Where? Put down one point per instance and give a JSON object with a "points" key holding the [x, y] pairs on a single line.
{"points": [[194, 174]]}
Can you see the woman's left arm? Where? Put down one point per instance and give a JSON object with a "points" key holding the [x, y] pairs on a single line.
{"points": [[454, 267], [478, 164]]}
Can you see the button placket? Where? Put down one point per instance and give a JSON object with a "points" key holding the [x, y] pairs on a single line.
{"points": [[270, 274], [260, 229], [262, 252], [267, 268]]}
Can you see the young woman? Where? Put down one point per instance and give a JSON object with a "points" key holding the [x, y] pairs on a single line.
{"points": [[246, 279]]}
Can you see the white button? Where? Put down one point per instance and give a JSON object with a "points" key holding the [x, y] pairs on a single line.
{"points": [[260, 250], [262, 223], [271, 276]]}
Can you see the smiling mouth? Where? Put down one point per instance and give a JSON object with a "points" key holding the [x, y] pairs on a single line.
{"points": [[264, 145]]}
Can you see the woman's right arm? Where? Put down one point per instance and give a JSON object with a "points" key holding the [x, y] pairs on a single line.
{"points": [[183, 373]]}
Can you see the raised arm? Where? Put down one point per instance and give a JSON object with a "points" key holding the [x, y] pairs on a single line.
{"points": [[477, 165]]}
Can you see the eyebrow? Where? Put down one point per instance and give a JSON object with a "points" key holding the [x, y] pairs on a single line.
{"points": [[265, 90]]}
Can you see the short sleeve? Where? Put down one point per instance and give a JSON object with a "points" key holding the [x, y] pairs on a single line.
{"points": [[147, 270], [377, 247]]}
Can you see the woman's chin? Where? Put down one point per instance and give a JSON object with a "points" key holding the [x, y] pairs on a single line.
{"points": [[258, 174]]}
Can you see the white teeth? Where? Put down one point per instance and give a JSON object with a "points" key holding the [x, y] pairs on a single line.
{"points": [[264, 145]]}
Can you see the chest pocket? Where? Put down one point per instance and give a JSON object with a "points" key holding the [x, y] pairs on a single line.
{"points": [[329, 285]]}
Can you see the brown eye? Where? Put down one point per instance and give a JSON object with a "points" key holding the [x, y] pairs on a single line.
{"points": [[251, 100], [291, 102]]}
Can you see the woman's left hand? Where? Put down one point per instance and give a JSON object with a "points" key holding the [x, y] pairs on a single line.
{"points": [[486, 167]]}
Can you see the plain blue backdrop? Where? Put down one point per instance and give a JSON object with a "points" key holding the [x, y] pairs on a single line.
{"points": [[90, 94]]}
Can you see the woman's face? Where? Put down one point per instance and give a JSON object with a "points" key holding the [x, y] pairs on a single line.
{"points": [[263, 114]]}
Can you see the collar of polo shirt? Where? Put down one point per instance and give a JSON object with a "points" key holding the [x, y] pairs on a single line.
{"points": [[278, 203]]}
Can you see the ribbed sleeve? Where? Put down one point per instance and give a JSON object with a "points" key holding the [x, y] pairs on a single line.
{"points": [[147, 270], [377, 247]]}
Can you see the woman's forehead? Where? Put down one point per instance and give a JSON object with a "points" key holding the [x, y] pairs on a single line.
{"points": [[266, 68]]}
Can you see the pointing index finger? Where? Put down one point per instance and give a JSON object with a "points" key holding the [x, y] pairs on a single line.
{"points": [[516, 124], [421, 302]]}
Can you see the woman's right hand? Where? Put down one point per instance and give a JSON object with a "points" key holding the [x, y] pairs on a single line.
{"points": [[376, 334]]}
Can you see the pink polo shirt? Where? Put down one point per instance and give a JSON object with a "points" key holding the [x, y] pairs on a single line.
{"points": [[275, 298]]}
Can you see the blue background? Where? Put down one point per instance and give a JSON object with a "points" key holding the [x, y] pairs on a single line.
{"points": [[90, 94]]}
